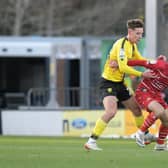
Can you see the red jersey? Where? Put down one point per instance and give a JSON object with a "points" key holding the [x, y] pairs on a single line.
{"points": [[159, 68]]}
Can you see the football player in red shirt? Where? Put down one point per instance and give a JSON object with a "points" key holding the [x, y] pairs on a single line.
{"points": [[149, 95]]}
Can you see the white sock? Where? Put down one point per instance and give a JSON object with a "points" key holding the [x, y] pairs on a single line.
{"points": [[141, 132], [91, 140]]}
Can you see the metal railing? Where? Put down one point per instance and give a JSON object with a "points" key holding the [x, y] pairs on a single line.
{"points": [[11, 100], [47, 98], [63, 98]]}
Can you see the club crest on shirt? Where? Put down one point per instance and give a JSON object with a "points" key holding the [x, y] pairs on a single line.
{"points": [[144, 90], [109, 90]]}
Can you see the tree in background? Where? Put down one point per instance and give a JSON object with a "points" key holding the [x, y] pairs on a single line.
{"points": [[67, 17]]}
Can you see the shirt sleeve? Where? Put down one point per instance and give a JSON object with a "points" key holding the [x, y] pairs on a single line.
{"points": [[155, 64], [138, 63], [123, 67]]}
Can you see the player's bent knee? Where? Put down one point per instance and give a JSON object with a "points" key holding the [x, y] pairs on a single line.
{"points": [[164, 118]]}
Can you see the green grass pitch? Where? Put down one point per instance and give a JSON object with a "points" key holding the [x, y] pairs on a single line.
{"points": [[63, 152]]}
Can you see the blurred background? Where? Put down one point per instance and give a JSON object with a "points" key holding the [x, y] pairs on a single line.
{"points": [[52, 52], [67, 18]]}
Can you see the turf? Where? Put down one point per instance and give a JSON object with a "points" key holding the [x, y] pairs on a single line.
{"points": [[52, 152]]}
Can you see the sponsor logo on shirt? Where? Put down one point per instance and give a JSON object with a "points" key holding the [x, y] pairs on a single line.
{"points": [[109, 90], [122, 54]]}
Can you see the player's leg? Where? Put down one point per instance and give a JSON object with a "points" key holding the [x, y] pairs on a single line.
{"points": [[110, 105], [157, 112], [161, 144], [161, 113], [132, 105], [135, 109], [143, 98], [109, 99], [148, 122], [143, 137]]}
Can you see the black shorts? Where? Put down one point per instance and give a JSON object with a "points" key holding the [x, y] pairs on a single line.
{"points": [[118, 89]]}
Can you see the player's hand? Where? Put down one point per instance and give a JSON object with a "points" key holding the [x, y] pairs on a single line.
{"points": [[148, 74], [113, 64], [162, 57]]}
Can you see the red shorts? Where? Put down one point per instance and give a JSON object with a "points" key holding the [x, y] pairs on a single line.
{"points": [[144, 96]]}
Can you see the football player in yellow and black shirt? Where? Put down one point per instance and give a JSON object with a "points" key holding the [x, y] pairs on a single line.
{"points": [[112, 85]]}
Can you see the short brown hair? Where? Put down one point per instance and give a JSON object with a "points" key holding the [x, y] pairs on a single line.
{"points": [[135, 23]]}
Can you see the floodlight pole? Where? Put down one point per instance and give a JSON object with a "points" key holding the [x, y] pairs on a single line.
{"points": [[84, 77], [151, 20], [52, 80]]}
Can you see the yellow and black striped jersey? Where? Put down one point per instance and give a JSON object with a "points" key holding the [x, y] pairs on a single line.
{"points": [[122, 51]]}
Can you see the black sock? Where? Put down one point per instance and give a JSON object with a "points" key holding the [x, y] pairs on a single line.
{"points": [[94, 136]]}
